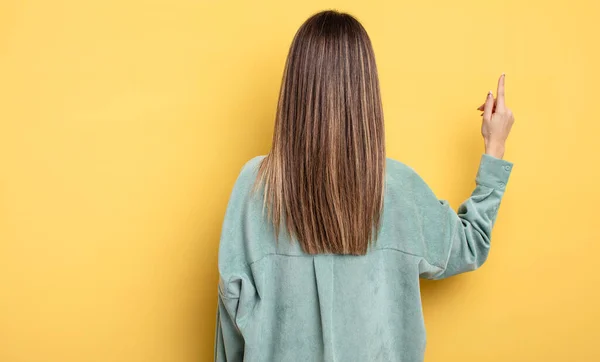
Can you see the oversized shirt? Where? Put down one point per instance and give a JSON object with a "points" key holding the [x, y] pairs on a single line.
{"points": [[277, 303]]}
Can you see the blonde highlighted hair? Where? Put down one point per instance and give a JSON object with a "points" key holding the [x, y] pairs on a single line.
{"points": [[325, 174]]}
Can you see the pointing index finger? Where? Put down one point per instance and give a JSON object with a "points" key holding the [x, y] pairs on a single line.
{"points": [[500, 94]]}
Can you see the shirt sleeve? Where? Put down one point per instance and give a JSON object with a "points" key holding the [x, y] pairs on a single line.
{"points": [[237, 294], [458, 242], [229, 342]]}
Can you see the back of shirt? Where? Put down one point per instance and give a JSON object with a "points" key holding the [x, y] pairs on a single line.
{"points": [[276, 303]]}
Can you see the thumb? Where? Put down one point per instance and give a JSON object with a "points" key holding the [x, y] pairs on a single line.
{"points": [[488, 107]]}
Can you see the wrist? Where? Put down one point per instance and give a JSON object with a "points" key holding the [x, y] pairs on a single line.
{"points": [[495, 149]]}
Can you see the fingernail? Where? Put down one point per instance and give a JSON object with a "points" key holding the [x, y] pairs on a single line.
{"points": [[489, 93]]}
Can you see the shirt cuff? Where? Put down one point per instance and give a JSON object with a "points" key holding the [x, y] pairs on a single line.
{"points": [[493, 172]]}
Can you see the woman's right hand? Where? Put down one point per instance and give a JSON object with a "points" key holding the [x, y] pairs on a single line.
{"points": [[497, 121]]}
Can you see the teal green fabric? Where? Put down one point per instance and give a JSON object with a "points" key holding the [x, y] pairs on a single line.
{"points": [[276, 303]]}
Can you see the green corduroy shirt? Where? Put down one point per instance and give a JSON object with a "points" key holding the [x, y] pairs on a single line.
{"points": [[277, 303]]}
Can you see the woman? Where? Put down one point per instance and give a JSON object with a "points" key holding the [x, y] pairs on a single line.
{"points": [[324, 239]]}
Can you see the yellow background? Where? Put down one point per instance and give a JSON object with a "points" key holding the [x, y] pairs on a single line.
{"points": [[124, 125]]}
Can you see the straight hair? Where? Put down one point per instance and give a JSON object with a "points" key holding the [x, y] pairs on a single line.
{"points": [[324, 176]]}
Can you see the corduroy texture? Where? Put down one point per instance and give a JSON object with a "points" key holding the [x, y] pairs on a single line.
{"points": [[278, 303]]}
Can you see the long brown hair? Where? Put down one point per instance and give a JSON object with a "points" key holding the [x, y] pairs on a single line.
{"points": [[324, 175]]}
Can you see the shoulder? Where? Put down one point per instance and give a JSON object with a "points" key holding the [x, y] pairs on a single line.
{"points": [[239, 229], [248, 173], [244, 194], [251, 166], [400, 176], [396, 166], [400, 173]]}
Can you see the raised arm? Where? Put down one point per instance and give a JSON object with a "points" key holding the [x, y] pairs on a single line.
{"points": [[458, 242]]}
